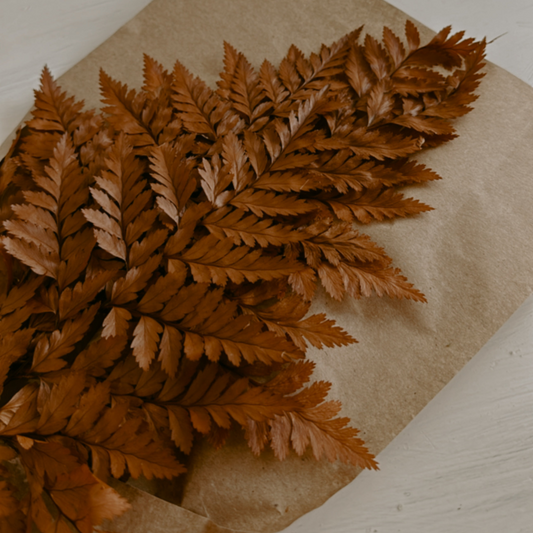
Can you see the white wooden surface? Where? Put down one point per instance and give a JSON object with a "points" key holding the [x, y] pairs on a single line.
{"points": [[57, 33], [465, 464]]}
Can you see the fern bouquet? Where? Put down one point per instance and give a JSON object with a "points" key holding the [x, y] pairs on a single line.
{"points": [[159, 258]]}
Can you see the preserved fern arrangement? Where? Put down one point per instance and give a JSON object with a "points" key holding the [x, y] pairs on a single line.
{"points": [[159, 258]]}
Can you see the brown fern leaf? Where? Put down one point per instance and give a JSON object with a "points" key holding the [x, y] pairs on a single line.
{"points": [[380, 104], [312, 423], [394, 47], [288, 70], [339, 242], [443, 50], [358, 71], [170, 350], [49, 234], [160, 292], [214, 397], [45, 460], [374, 144], [19, 415], [329, 437], [118, 443], [271, 84], [236, 162], [414, 81], [213, 327], [240, 85], [91, 403], [156, 79], [174, 174], [292, 180], [213, 260], [362, 279], [201, 111], [372, 204], [12, 347], [145, 341], [89, 125], [9, 172], [99, 502], [215, 180], [99, 355], [158, 297], [377, 58], [14, 321], [54, 111], [19, 296], [286, 317], [227, 76], [266, 203], [69, 495], [58, 403], [72, 301], [422, 124], [158, 113], [283, 140], [52, 244], [50, 349], [412, 36], [124, 110], [249, 229], [127, 288], [123, 218], [344, 171], [325, 66], [466, 81]]}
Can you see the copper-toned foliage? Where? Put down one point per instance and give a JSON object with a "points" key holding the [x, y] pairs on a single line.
{"points": [[158, 259]]}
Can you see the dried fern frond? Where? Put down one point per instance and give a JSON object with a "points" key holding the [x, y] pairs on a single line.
{"points": [[158, 260]]}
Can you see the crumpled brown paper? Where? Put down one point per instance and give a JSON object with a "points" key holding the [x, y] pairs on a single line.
{"points": [[472, 257]]}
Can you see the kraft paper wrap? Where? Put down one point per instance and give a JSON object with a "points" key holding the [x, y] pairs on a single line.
{"points": [[472, 257]]}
